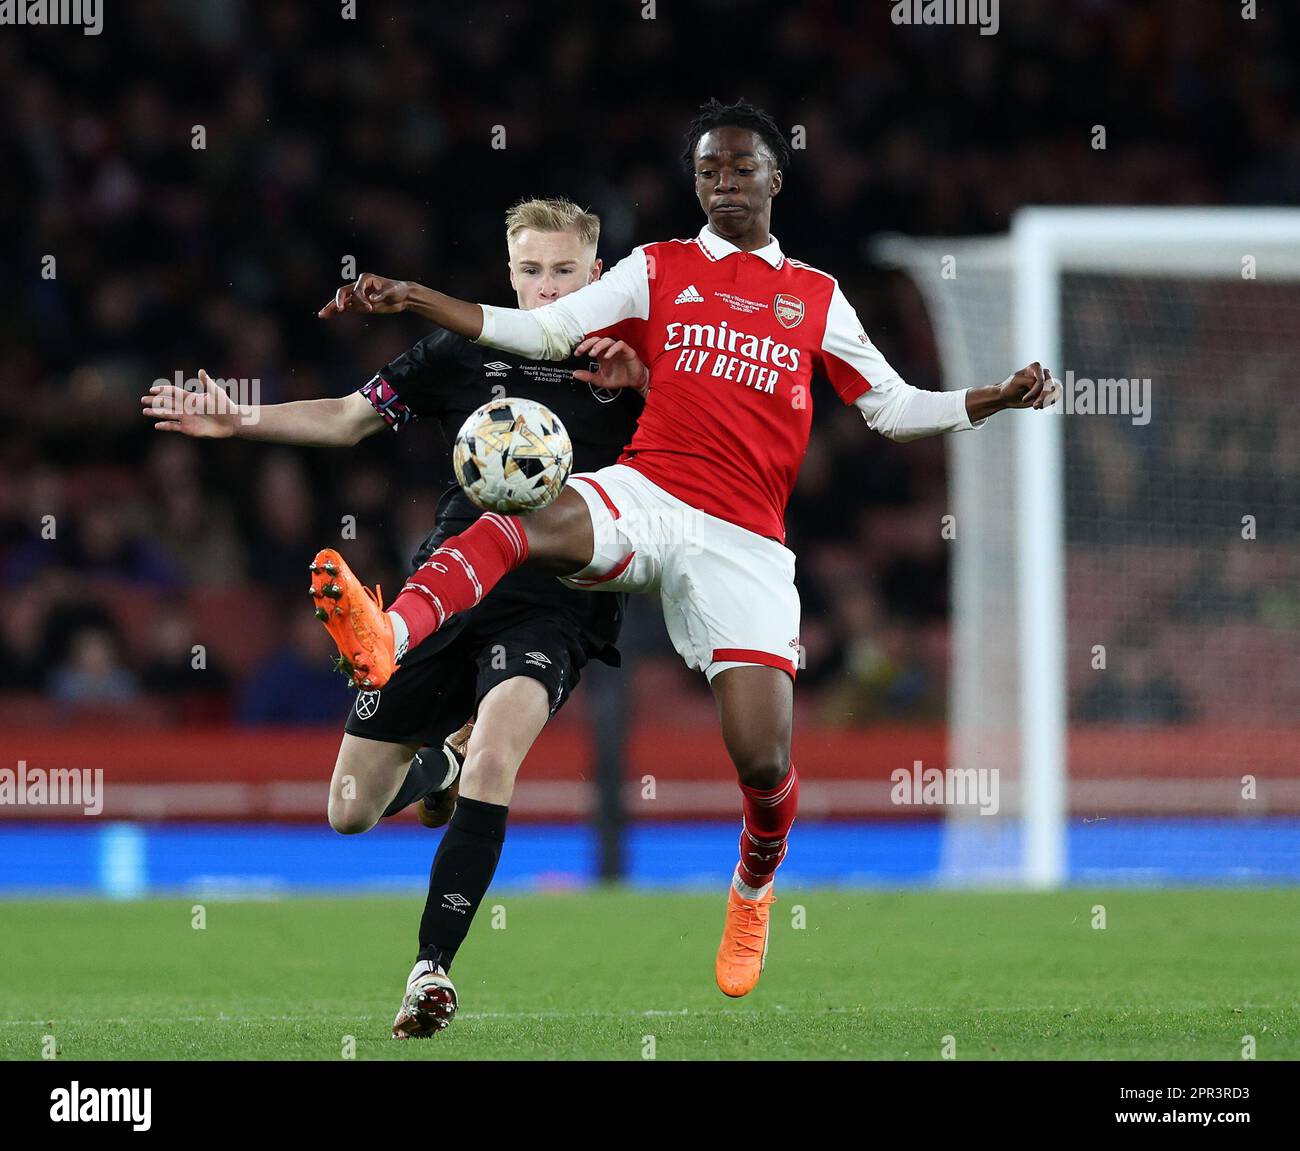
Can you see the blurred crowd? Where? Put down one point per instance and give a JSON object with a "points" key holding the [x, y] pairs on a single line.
{"points": [[397, 140]]}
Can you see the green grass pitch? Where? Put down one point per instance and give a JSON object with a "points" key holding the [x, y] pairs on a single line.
{"points": [[616, 974]]}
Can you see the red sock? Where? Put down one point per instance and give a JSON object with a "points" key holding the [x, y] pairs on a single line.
{"points": [[460, 573], [768, 816]]}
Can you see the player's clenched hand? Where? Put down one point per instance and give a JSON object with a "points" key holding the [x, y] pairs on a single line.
{"points": [[616, 364], [1031, 387], [371, 293], [209, 414]]}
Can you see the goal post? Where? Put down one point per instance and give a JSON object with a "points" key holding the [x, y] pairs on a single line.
{"points": [[1040, 559], [1079, 536]]}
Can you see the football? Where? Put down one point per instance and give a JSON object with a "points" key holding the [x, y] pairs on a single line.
{"points": [[512, 455]]}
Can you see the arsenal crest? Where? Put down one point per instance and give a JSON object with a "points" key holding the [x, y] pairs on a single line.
{"points": [[788, 309]]}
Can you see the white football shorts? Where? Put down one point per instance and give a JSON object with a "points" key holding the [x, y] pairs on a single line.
{"points": [[728, 595]]}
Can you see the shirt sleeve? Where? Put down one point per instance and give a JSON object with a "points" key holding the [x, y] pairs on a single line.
{"points": [[552, 332], [409, 386], [863, 377]]}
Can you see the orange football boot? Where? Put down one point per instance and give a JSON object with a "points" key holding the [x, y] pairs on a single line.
{"points": [[355, 618], [744, 942]]}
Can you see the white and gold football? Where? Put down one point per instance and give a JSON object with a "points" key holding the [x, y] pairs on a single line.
{"points": [[512, 455]]}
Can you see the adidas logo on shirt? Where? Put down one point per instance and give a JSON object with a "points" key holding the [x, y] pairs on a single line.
{"points": [[690, 296]]}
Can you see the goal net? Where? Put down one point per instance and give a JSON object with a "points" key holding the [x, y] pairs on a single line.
{"points": [[1126, 576]]}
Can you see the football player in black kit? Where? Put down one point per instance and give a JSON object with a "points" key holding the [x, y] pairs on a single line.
{"points": [[511, 662]]}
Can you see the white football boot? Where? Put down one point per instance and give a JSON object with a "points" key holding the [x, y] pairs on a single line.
{"points": [[429, 1004]]}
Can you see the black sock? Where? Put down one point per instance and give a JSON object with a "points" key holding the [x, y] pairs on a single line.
{"points": [[428, 769], [461, 873]]}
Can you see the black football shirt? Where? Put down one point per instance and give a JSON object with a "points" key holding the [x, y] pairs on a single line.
{"points": [[444, 378]]}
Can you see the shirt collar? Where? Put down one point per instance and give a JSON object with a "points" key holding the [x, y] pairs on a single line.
{"points": [[717, 248]]}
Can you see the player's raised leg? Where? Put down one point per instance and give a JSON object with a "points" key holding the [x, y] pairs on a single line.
{"points": [[510, 717], [374, 778], [755, 705], [454, 578], [367, 774]]}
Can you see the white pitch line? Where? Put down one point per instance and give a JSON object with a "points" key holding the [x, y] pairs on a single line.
{"points": [[684, 1012]]}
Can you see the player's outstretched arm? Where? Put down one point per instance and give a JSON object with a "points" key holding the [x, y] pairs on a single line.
{"points": [[212, 414], [547, 333], [378, 295], [894, 408], [901, 412]]}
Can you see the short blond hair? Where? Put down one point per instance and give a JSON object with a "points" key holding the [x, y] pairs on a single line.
{"points": [[553, 216]]}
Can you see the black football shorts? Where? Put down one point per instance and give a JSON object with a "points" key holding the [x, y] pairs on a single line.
{"points": [[440, 683]]}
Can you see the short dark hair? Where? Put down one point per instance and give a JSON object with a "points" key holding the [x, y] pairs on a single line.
{"points": [[741, 114]]}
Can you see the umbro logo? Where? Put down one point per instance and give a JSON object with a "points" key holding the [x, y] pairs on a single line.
{"points": [[496, 368], [538, 658], [690, 296], [456, 902]]}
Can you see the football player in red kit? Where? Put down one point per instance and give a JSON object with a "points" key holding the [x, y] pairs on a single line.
{"points": [[732, 331]]}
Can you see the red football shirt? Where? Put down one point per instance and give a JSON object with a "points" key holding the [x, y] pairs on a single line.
{"points": [[732, 340]]}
